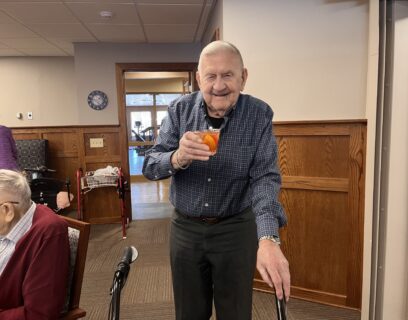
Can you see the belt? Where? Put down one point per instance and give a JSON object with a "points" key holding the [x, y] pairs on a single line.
{"points": [[208, 220], [211, 220]]}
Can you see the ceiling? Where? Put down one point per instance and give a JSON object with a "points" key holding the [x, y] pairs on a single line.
{"points": [[50, 27]]}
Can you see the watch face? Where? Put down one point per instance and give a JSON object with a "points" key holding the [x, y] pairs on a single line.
{"points": [[97, 100]]}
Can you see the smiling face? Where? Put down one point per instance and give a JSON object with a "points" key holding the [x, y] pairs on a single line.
{"points": [[221, 77]]}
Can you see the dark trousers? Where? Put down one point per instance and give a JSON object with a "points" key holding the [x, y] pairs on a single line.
{"points": [[213, 261]]}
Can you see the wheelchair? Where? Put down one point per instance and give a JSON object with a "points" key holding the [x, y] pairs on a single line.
{"points": [[32, 159], [45, 189]]}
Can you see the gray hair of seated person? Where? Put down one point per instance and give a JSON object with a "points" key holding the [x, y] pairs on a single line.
{"points": [[15, 184], [218, 46]]}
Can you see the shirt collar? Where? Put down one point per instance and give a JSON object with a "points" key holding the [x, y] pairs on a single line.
{"points": [[203, 106], [22, 226]]}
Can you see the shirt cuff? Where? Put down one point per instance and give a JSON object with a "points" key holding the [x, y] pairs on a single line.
{"points": [[166, 169], [267, 226]]}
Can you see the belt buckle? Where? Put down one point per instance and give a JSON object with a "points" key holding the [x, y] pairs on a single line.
{"points": [[210, 220]]}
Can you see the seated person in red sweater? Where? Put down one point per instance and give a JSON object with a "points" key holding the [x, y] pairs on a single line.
{"points": [[34, 254]]}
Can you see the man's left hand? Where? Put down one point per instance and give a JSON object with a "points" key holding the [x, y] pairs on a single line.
{"points": [[274, 268]]}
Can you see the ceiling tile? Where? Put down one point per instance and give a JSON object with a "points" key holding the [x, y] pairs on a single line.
{"points": [[50, 27], [9, 53], [170, 33], [70, 52], [171, 1], [169, 14], [15, 31], [62, 30], [20, 43], [98, 1], [62, 43], [4, 18], [66, 44], [43, 52], [29, 1], [31, 12], [117, 32], [89, 12]]}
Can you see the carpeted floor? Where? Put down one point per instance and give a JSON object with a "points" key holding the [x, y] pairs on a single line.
{"points": [[147, 294]]}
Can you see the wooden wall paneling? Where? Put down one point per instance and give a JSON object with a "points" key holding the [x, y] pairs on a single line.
{"points": [[321, 156], [322, 167], [110, 147], [22, 135], [102, 205], [356, 207], [63, 149], [69, 150]]}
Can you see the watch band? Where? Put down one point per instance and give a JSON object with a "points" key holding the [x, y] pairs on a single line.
{"points": [[274, 239]]}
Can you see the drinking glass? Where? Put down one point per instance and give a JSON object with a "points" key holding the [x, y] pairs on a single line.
{"points": [[210, 137]]}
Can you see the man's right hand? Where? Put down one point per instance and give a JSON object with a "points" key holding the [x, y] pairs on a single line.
{"points": [[190, 148]]}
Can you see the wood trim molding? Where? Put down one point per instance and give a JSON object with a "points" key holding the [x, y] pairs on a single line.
{"points": [[315, 183], [307, 294]]}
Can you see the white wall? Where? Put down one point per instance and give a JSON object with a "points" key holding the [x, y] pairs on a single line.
{"points": [[396, 251], [56, 89], [95, 69], [307, 59], [44, 86]]}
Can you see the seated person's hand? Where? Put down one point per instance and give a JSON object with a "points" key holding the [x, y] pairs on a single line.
{"points": [[62, 199]]}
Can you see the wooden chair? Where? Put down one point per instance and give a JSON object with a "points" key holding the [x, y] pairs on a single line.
{"points": [[79, 236]]}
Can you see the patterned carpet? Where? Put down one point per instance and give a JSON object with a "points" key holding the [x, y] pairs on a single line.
{"points": [[147, 293]]}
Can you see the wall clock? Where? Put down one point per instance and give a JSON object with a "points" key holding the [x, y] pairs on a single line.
{"points": [[97, 100]]}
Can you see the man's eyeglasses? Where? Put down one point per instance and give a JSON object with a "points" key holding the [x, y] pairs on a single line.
{"points": [[13, 202]]}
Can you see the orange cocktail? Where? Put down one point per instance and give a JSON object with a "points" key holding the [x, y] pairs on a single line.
{"points": [[210, 138]]}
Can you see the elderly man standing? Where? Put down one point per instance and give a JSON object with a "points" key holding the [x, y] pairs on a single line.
{"points": [[34, 254], [227, 213]]}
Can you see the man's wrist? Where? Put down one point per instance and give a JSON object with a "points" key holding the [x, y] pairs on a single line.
{"points": [[274, 239], [178, 163]]}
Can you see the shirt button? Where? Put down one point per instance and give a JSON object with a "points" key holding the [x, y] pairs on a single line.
{"points": [[170, 171], [205, 204], [209, 179], [156, 177]]}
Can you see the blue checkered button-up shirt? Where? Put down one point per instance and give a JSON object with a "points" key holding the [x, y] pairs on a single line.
{"points": [[243, 173]]}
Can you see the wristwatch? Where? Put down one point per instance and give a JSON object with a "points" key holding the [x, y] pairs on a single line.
{"points": [[274, 239]]}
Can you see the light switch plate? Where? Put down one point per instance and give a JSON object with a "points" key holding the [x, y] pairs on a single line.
{"points": [[96, 142]]}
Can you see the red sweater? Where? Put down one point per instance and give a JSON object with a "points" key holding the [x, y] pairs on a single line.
{"points": [[34, 281]]}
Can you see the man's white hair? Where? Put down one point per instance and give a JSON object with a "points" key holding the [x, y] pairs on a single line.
{"points": [[15, 184], [218, 46]]}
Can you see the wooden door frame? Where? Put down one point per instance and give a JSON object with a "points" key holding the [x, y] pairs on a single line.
{"points": [[120, 70]]}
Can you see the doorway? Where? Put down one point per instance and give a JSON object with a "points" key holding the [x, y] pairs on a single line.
{"points": [[144, 93]]}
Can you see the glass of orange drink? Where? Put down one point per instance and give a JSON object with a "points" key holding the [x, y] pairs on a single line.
{"points": [[210, 137]]}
